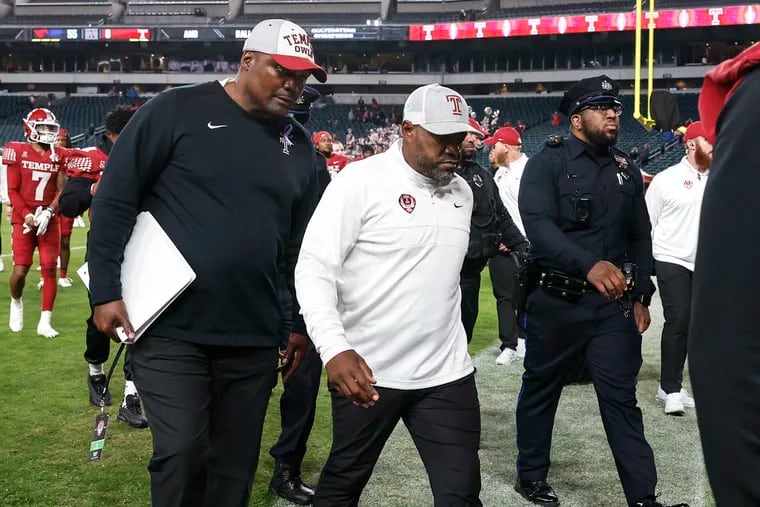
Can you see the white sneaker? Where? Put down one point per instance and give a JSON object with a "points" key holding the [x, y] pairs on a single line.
{"points": [[687, 400], [506, 357], [40, 284], [16, 320], [45, 327], [674, 404], [521, 348], [65, 282]]}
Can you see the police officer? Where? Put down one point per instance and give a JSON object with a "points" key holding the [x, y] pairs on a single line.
{"points": [[581, 200], [492, 231], [299, 397]]}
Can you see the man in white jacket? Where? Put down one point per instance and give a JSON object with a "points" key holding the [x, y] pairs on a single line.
{"points": [[507, 157], [674, 201], [378, 283]]}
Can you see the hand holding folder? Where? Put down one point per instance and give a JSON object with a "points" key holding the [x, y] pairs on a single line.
{"points": [[153, 274]]}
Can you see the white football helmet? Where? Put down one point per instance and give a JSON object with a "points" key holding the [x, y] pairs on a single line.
{"points": [[41, 126]]}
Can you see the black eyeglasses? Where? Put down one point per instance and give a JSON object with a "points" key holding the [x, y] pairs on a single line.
{"points": [[604, 107]]}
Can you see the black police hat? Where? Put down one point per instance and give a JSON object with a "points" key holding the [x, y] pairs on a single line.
{"points": [[592, 90], [301, 110], [307, 98]]}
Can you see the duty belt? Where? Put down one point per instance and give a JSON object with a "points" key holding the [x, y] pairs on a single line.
{"points": [[560, 285]]}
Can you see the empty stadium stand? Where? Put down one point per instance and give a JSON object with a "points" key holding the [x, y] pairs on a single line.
{"points": [[80, 115]]}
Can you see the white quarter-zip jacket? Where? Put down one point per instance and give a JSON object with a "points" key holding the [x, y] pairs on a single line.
{"points": [[508, 180], [378, 272], [674, 202]]}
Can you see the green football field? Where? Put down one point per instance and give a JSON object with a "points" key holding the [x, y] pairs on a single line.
{"points": [[46, 424]]}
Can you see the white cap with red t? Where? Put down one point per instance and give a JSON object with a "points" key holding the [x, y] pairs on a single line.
{"points": [[439, 110], [287, 43]]}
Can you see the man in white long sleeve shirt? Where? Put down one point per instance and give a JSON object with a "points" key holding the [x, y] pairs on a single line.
{"points": [[378, 283], [674, 200], [507, 157]]}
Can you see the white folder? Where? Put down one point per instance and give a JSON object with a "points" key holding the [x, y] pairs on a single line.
{"points": [[154, 273]]}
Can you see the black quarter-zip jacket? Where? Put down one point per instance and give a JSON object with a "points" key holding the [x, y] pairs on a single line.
{"points": [[233, 192]]}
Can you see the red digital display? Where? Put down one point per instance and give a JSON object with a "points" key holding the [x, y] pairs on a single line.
{"points": [[130, 34], [587, 23]]}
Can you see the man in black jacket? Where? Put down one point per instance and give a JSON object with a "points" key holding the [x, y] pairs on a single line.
{"points": [[298, 403], [492, 230], [207, 366], [83, 176]]}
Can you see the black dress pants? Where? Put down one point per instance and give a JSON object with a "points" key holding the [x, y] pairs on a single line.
{"points": [[444, 423], [99, 347], [298, 405], [675, 293], [557, 333], [469, 285], [503, 269], [206, 406]]}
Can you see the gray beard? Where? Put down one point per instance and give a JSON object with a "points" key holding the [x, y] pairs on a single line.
{"points": [[439, 176]]}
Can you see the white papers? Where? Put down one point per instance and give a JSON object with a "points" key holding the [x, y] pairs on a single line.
{"points": [[154, 273]]}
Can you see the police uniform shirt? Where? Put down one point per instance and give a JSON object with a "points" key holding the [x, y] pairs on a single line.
{"points": [[581, 204], [491, 222], [378, 272]]}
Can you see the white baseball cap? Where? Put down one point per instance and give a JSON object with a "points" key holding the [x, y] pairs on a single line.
{"points": [[287, 43], [439, 110]]}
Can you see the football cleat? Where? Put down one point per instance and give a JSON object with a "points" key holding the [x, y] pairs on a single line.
{"points": [[45, 327], [16, 320]]}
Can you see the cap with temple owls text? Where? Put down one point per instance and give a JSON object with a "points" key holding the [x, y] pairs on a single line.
{"points": [[287, 43]]}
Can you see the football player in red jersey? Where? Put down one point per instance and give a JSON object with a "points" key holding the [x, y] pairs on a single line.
{"points": [[67, 225], [323, 142], [34, 182]]}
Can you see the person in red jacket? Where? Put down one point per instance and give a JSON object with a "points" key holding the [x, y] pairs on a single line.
{"points": [[724, 358], [323, 142]]}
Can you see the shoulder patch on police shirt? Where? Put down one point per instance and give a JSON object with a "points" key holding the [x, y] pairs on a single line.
{"points": [[554, 140]]}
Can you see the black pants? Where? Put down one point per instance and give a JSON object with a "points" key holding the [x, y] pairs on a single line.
{"points": [[675, 292], [557, 333], [206, 406], [298, 405], [99, 347], [444, 423], [469, 285], [502, 270]]}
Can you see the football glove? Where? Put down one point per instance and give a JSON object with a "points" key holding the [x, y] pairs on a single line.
{"points": [[42, 219]]}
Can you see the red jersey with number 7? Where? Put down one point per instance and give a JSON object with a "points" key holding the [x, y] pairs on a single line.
{"points": [[32, 177]]}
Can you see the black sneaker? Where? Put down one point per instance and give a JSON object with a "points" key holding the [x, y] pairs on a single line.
{"points": [[98, 391], [132, 412], [652, 502]]}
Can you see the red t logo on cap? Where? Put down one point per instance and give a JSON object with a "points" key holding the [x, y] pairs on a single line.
{"points": [[456, 100]]}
